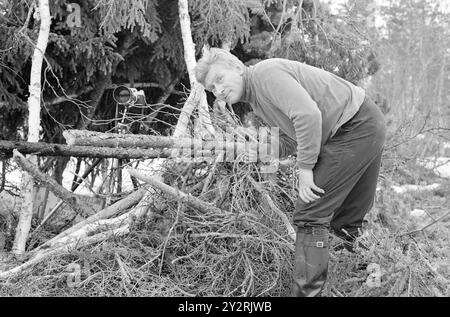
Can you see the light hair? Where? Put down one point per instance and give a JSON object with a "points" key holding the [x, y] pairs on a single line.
{"points": [[214, 56]]}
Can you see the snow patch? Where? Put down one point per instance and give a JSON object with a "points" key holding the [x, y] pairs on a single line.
{"points": [[417, 213], [439, 165], [411, 188], [420, 136]]}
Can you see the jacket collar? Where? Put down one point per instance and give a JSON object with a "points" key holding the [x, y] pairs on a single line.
{"points": [[248, 95]]}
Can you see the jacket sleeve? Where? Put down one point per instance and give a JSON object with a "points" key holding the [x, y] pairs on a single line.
{"points": [[285, 93]]}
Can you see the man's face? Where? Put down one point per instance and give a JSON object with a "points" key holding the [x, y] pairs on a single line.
{"points": [[225, 83]]}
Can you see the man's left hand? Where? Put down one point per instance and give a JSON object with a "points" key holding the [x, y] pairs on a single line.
{"points": [[307, 185]]}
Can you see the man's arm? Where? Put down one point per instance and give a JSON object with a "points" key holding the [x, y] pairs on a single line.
{"points": [[293, 100]]}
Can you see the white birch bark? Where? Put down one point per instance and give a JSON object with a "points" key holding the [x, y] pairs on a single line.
{"points": [[197, 91], [196, 97], [34, 109]]}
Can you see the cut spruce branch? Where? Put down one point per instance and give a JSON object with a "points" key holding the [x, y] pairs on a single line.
{"points": [[68, 197], [175, 193], [51, 149], [108, 212]]}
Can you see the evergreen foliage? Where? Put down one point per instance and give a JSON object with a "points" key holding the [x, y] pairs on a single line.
{"points": [[139, 41]]}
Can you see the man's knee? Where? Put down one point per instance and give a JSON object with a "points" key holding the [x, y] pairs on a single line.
{"points": [[311, 214]]}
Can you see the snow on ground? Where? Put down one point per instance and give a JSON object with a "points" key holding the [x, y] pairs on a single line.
{"points": [[439, 165], [411, 188], [418, 213]]}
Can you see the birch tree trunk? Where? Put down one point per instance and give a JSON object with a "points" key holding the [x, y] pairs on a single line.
{"points": [[197, 91], [34, 109], [196, 97]]}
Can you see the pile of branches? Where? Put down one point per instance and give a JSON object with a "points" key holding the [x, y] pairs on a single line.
{"points": [[212, 230]]}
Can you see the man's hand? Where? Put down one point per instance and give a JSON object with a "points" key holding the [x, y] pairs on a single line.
{"points": [[306, 185]]}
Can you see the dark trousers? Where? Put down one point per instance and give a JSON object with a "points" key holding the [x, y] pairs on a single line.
{"points": [[347, 170]]}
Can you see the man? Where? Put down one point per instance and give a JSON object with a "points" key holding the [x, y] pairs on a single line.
{"points": [[339, 135]]}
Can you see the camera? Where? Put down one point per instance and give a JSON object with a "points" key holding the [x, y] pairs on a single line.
{"points": [[125, 95]]}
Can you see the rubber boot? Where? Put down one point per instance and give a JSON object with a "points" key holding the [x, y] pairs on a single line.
{"points": [[311, 261]]}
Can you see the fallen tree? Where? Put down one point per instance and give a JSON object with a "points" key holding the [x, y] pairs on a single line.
{"points": [[108, 212], [129, 147], [116, 140]]}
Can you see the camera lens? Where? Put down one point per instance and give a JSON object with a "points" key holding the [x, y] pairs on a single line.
{"points": [[122, 95]]}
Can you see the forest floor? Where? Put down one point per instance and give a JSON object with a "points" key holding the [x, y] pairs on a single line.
{"points": [[148, 262]]}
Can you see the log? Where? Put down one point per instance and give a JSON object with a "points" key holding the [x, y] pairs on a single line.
{"points": [[116, 140], [108, 212], [90, 229], [88, 138], [68, 197], [187, 146], [52, 149], [200, 148], [73, 245], [175, 193]]}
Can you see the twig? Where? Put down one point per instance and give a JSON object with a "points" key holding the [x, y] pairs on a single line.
{"points": [[290, 229], [211, 174], [27, 20], [175, 223], [220, 235], [123, 272], [168, 190], [425, 227]]}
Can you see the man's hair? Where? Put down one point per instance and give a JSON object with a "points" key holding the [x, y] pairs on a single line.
{"points": [[213, 56]]}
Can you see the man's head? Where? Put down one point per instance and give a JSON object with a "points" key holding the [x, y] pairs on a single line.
{"points": [[221, 73]]}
